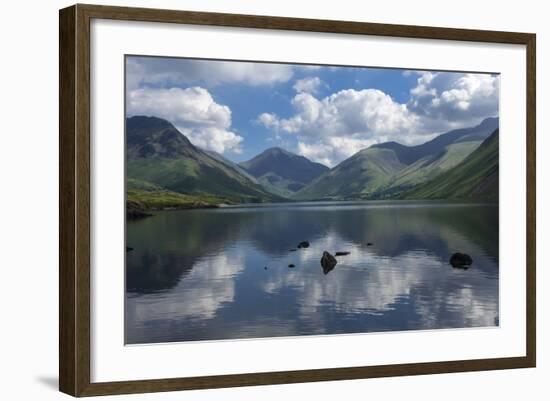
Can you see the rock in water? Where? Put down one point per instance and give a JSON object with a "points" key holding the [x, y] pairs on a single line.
{"points": [[328, 262], [303, 244], [291, 265], [369, 243], [462, 260], [341, 253], [129, 248]]}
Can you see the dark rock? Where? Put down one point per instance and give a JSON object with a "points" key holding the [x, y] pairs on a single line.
{"points": [[265, 267], [328, 262], [461, 260], [369, 243], [303, 244], [291, 265], [129, 248], [341, 253]]}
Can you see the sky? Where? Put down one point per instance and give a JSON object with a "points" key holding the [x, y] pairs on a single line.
{"points": [[325, 113]]}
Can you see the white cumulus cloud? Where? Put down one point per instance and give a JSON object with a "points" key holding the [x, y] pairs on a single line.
{"points": [[193, 111], [308, 85], [337, 126], [449, 100], [330, 129]]}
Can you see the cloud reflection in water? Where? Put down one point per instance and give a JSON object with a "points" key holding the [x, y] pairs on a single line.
{"points": [[233, 279]]}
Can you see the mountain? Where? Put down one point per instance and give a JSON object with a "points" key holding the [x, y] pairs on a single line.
{"points": [[158, 154], [389, 169], [475, 177], [283, 172], [368, 168]]}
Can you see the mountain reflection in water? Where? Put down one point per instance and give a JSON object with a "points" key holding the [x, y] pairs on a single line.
{"points": [[223, 273]]}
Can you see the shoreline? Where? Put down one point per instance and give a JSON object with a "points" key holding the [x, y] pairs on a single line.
{"points": [[307, 204]]}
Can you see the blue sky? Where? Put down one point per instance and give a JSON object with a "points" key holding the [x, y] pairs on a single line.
{"points": [[324, 113]]}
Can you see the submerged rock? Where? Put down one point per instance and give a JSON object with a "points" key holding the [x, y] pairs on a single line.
{"points": [[340, 253], [291, 265], [461, 260], [129, 248], [303, 244], [369, 243], [328, 262]]}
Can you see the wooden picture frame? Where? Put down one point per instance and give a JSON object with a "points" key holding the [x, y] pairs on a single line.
{"points": [[74, 204]]}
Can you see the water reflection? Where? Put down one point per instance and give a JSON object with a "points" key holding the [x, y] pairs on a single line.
{"points": [[218, 274]]}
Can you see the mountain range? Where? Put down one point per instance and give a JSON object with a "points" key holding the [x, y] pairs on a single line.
{"points": [[164, 169], [160, 158], [385, 170]]}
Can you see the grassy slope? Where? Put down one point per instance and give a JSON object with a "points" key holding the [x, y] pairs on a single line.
{"points": [[372, 179], [153, 197], [158, 153], [475, 177], [192, 177], [163, 199], [357, 177], [428, 167], [376, 173]]}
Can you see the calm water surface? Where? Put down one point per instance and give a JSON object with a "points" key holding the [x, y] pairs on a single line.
{"points": [[223, 273]]}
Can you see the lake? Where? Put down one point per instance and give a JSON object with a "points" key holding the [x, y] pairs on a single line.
{"points": [[212, 274]]}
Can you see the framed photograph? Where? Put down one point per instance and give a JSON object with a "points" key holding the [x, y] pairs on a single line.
{"points": [[250, 200]]}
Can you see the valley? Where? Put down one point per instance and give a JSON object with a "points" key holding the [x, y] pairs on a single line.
{"points": [[165, 170]]}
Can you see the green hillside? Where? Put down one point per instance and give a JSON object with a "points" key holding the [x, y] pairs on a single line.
{"points": [[154, 197], [386, 170], [431, 166], [360, 176], [476, 177], [165, 170], [158, 154]]}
